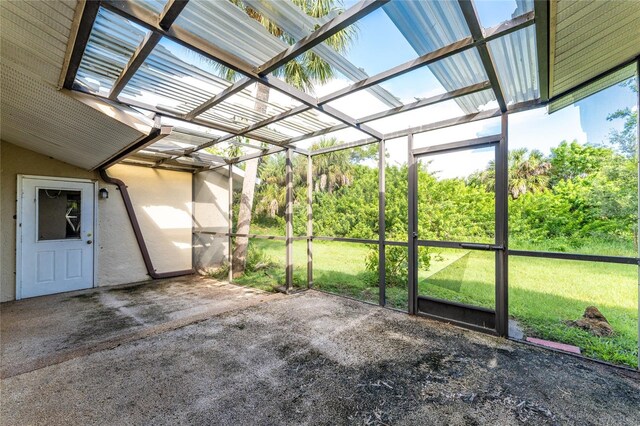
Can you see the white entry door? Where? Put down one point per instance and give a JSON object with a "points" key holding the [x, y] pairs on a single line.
{"points": [[55, 236]]}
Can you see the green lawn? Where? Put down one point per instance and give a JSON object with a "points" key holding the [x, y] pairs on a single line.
{"points": [[543, 293]]}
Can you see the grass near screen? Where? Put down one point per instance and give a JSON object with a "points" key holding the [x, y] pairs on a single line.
{"points": [[543, 293]]}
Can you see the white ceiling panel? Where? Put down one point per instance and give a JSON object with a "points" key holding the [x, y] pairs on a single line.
{"points": [[590, 37], [34, 114]]}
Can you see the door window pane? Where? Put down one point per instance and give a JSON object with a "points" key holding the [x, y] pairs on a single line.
{"points": [[59, 214]]}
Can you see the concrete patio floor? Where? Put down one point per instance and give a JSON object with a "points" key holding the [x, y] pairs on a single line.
{"points": [[194, 351], [45, 330]]}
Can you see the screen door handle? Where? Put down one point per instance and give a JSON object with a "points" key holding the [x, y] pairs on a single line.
{"points": [[481, 246]]}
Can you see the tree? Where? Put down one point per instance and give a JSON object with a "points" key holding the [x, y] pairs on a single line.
{"points": [[528, 172], [302, 72], [572, 160], [627, 139], [331, 170]]}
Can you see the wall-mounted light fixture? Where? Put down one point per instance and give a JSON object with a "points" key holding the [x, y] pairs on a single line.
{"points": [[103, 194]]}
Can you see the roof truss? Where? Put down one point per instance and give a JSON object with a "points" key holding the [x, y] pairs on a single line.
{"points": [[161, 26]]}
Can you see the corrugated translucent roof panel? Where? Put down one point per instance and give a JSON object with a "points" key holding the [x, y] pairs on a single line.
{"points": [[309, 121], [282, 132], [230, 28], [184, 135], [516, 63], [423, 82], [156, 6], [493, 12], [175, 79], [268, 133], [428, 26], [111, 45], [205, 157], [178, 141], [588, 90], [418, 85]]}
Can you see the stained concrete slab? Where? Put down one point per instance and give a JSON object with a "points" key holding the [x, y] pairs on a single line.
{"points": [[44, 330], [314, 358]]}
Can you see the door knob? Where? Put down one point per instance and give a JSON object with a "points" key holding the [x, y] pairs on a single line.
{"points": [[89, 241]]}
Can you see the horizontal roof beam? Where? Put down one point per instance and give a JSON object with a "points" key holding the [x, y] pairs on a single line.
{"points": [[541, 8], [478, 142], [432, 100], [170, 14], [235, 88], [139, 56], [171, 11], [419, 129], [510, 26], [312, 102], [154, 136], [256, 126], [401, 69], [348, 17], [79, 43], [131, 161], [256, 155]]}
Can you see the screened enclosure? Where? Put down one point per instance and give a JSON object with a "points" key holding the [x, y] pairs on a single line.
{"points": [[453, 177]]}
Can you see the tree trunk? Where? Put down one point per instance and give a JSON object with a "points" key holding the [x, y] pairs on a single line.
{"points": [[246, 201]]}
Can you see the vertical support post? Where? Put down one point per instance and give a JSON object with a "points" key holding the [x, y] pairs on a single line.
{"points": [[289, 221], [230, 214], [501, 225], [309, 221], [412, 227], [194, 260], [638, 170], [382, 279]]}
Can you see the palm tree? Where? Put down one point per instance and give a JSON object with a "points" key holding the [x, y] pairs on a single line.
{"points": [[272, 195], [331, 170], [302, 72], [528, 172]]}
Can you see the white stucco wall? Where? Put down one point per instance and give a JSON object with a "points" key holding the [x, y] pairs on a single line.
{"points": [[162, 200], [210, 212]]}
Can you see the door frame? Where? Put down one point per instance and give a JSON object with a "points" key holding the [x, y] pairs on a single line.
{"points": [[20, 209], [499, 316]]}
